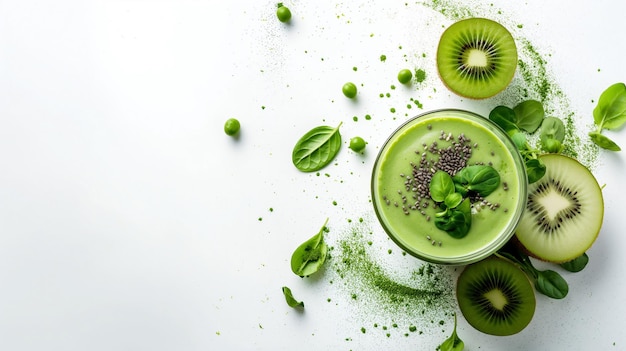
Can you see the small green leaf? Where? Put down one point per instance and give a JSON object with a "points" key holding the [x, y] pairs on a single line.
{"points": [[310, 255], [504, 117], [604, 141], [551, 284], [291, 301], [577, 264], [535, 170], [456, 222], [529, 115], [551, 145], [552, 128], [441, 185], [317, 148], [519, 139], [453, 200], [610, 113], [480, 179], [453, 343]]}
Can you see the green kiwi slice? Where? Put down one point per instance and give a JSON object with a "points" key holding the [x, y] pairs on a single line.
{"points": [[564, 212], [476, 58], [496, 297]]}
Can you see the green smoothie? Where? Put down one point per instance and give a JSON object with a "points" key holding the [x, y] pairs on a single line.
{"points": [[447, 140]]}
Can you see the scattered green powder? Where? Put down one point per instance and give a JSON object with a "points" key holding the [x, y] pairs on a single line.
{"points": [[383, 58], [354, 68], [392, 110], [420, 75], [419, 293], [355, 118], [368, 117]]}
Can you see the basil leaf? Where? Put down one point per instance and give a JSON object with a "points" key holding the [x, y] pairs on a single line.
{"points": [[551, 284], [504, 117], [604, 141], [317, 148], [535, 170], [453, 343], [529, 115], [552, 128], [453, 200], [310, 255], [610, 113], [456, 222], [577, 264], [480, 179], [291, 301], [441, 185]]}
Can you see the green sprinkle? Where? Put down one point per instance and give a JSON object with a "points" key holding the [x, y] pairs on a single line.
{"points": [[383, 58], [420, 75]]}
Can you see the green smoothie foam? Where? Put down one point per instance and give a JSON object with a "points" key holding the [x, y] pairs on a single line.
{"points": [[415, 149]]}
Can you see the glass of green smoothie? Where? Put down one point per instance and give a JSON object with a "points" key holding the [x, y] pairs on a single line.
{"points": [[488, 177]]}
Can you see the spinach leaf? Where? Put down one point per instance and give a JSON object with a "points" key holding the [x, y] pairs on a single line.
{"points": [[552, 128], [456, 222], [551, 284], [610, 113], [317, 148], [441, 185], [529, 114], [291, 301], [505, 118], [577, 264], [548, 282], [453, 200], [604, 141], [453, 343], [520, 141], [535, 169], [310, 255], [480, 179], [551, 145]]}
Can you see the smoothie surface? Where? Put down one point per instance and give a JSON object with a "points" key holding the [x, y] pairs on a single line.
{"points": [[409, 218]]}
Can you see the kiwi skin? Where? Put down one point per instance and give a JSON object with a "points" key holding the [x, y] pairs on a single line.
{"points": [[490, 38], [573, 233], [496, 297]]}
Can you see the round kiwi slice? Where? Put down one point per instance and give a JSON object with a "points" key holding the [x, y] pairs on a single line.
{"points": [[476, 58], [496, 297], [564, 212]]}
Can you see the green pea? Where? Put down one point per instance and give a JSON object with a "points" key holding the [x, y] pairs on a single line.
{"points": [[231, 127], [349, 90], [357, 144], [404, 76], [283, 13]]}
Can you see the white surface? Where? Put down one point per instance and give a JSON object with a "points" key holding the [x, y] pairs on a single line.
{"points": [[130, 221]]}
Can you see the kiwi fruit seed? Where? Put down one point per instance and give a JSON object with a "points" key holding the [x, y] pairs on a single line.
{"points": [[496, 297], [564, 211], [476, 58]]}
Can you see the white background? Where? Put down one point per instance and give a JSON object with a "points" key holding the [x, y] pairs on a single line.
{"points": [[130, 221]]}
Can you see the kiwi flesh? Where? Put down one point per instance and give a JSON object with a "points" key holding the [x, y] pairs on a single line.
{"points": [[476, 58], [496, 297], [564, 211]]}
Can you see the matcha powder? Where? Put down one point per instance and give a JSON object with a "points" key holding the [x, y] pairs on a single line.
{"points": [[390, 293]]}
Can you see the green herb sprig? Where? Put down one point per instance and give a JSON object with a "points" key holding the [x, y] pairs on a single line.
{"points": [[453, 195], [309, 257], [453, 343], [610, 113], [317, 148], [527, 117], [547, 282]]}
